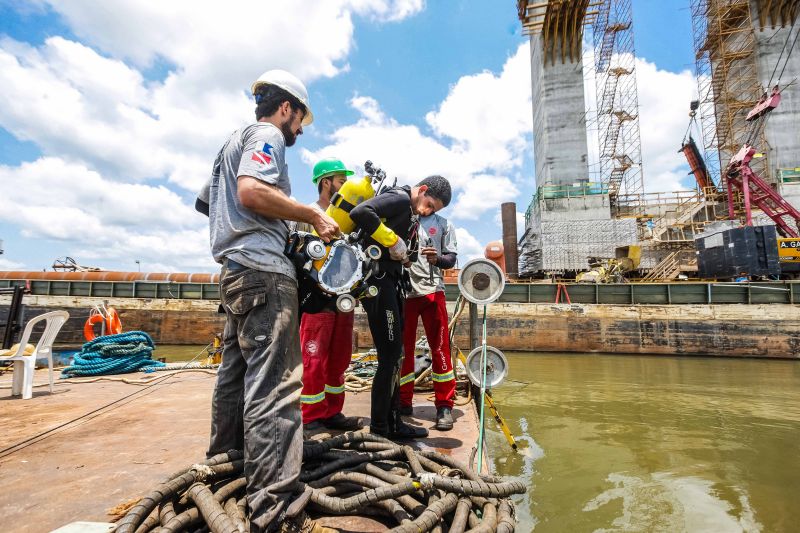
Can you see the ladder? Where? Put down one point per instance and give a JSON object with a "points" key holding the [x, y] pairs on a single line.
{"points": [[670, 267]]}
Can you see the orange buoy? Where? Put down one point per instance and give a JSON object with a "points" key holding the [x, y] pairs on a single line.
{"points": [[494, 252]]}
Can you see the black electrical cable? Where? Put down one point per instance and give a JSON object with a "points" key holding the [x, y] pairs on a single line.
{"points": [[778, 62], [790, 51]]}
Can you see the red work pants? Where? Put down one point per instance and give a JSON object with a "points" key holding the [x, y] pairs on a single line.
{"points": [[433, 311], [326, 340]]}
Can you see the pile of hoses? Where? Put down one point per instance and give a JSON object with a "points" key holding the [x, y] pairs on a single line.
{"points": [[359, 376], [351, 474], [114, 354]]}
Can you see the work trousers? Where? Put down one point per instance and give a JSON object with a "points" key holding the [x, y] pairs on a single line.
{"points": [[433, 310], [385, 317], [326, 339], [256, 401]]}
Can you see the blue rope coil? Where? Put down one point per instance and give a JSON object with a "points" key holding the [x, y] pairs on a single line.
{"points": [[114, 354]]}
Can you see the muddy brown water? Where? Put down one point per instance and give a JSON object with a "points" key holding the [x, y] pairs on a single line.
{"points": [[175, 353], [618, 443], [632, 443]]}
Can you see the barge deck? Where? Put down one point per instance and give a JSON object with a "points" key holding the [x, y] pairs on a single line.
{"points": [[76, 453]]}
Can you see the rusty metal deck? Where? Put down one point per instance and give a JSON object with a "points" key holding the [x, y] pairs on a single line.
{"points": [[80, 469]]}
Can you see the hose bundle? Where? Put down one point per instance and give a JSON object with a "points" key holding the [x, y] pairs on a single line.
{"points": [[353, 473], [114, 354]]}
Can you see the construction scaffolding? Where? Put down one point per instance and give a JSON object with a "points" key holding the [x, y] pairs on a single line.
{"points": [[617, 102], [561, 247], [727, 78]]}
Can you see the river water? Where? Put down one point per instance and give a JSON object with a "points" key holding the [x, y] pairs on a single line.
{"points": [[637, 443]]}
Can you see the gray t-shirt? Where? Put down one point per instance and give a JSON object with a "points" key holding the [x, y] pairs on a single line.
{"points": [[238, 233], [305, 226], [436, 231]]}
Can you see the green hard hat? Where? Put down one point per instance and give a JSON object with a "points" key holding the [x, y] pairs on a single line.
{"points": [[328, 166]]}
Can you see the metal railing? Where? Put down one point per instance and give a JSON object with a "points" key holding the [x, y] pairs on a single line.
{"points": [[768, 292], [552, 192], [789, 175]]}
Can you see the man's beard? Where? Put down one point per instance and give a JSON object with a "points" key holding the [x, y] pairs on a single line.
{"points": [[289, 136]]}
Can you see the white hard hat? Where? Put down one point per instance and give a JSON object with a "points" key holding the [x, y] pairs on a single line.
{"points": [[288, 82]]}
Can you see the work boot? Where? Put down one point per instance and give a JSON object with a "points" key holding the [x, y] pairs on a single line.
{"points": [[403, 431], [314, 425], [303, 524], [399, 430], [343, 423], [380, 430], [407, 410], [444, 418]]}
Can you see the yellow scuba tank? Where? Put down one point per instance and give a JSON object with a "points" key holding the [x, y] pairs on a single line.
{"points": [[352, 193]]}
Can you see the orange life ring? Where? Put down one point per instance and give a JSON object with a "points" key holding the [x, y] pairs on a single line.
{"points": [[111, 320], [113, 323], [88, 327]]}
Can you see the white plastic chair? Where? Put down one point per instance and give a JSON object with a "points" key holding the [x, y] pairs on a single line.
{"points": [[25, 365]]}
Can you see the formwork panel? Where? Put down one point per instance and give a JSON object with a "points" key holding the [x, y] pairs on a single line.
{"points": [[568, 245]]}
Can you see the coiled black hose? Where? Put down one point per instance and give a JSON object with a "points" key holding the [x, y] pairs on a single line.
{"points": [[353, 473]]}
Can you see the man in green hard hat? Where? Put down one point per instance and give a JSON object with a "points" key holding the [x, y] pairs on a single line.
{"points": [[326, 337], [329, 176]]}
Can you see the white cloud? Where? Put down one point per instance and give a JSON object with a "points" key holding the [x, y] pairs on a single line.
{"points": [[218, 44], [100, 219], [478, 138], [484, 192], [111, 135], [664, 99], [76, 104], [93, 107], [468, 246], [9, 264], [489, 117]]}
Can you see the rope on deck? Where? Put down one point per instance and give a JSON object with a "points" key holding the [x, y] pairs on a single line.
{"points": [[114, 354]]}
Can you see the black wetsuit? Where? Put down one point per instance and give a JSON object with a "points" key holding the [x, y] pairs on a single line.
{"points": [[385, 311]]}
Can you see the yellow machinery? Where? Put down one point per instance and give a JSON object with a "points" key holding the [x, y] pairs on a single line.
{"points": [[612, 270], [789, 250], [215, 351]]}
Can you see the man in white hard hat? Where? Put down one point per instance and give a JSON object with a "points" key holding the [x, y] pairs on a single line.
{"points": [[256, 402]]}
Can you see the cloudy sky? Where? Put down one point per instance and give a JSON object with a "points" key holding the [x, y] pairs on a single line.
{"points": [[111, 112]]}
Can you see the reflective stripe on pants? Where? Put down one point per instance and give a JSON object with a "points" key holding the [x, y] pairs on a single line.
{"points": [[433, 310], [326, 340]]}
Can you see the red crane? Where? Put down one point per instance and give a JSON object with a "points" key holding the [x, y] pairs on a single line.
{"points": [[755, 190]]}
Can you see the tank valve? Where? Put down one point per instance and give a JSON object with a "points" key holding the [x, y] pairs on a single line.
{"points": [[345, 303], [315, 250], [373, 252], [372, 291]]}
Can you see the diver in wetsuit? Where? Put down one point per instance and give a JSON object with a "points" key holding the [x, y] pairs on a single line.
{"points": [[390, 220]]}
